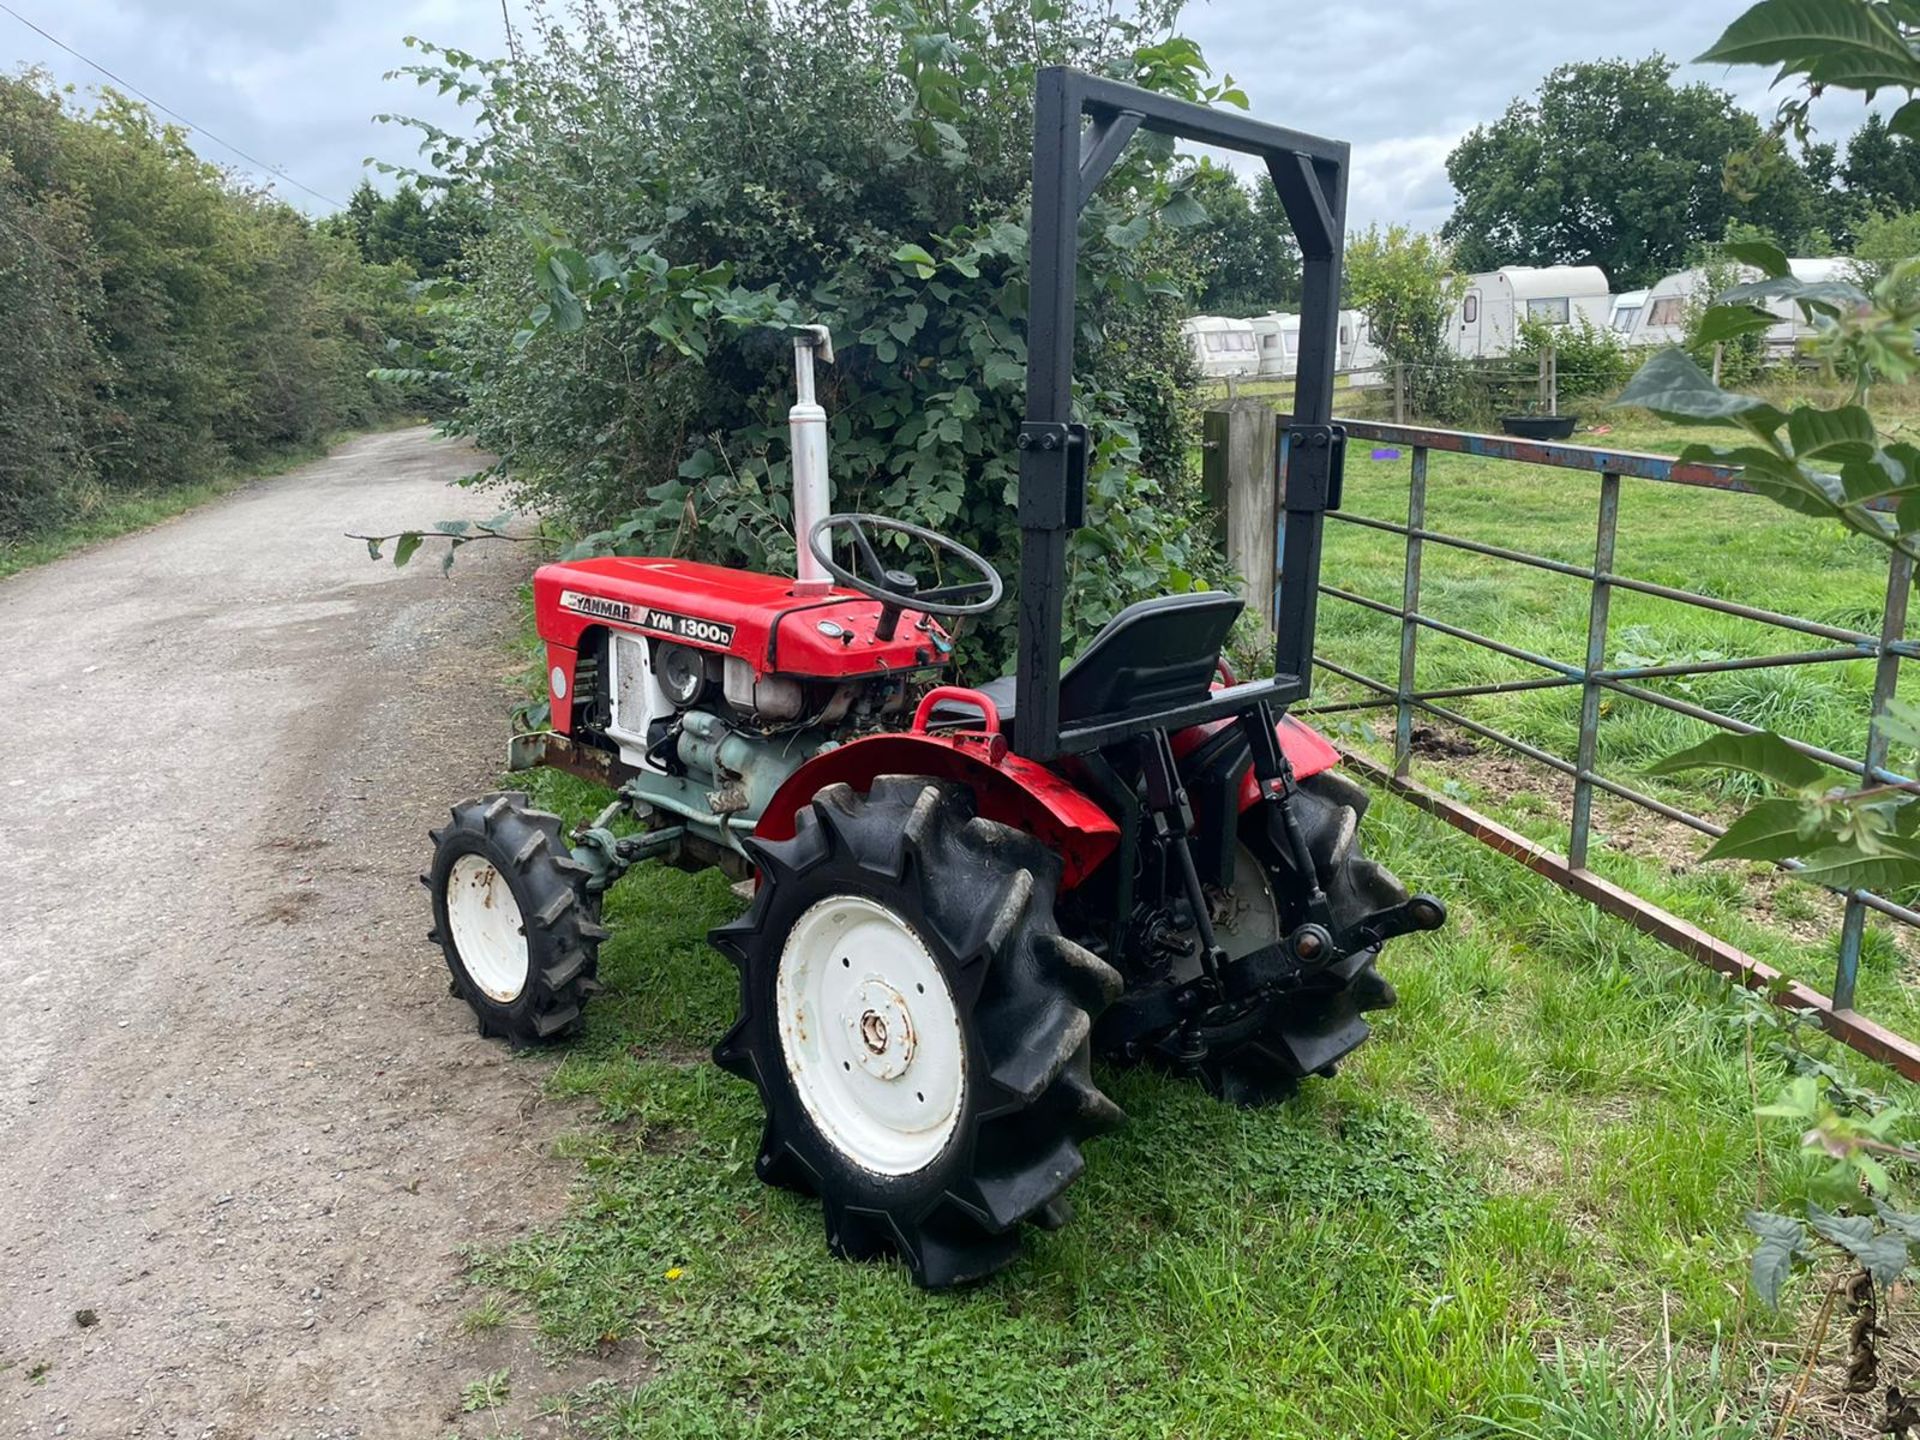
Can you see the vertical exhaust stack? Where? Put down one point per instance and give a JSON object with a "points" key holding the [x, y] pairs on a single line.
{"points": [[812, 491]]}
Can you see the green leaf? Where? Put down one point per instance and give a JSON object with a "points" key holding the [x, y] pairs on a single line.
{"points": [[916, 256], [1767, 258], [1901, 1221], [404, 547], [1906, 120], [1844, 867], [1835, 436], [1774, 829], [373, 549], [1674, 387], [1781, 1237], [1883, 1255], [1182, 211], [1764, 754], [1836, 297], [1900, 723], [1846, 1231], [1730, 322], [1797, 34]]}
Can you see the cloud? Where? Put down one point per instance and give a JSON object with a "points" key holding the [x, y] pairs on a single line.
{"points": [[297, 82], [1402, 180]]}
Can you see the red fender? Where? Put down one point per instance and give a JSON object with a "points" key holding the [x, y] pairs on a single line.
{"points": [[1005, 788], [1306, 749]]}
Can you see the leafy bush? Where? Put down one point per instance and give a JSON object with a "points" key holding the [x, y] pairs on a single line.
{"points": [[1589, 359], [1404, 280], [156, 319], [693, 179]]}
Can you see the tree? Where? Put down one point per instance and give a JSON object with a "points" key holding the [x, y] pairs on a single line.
{"points": [[1886, 242], [1244, 250], [1882, 171], [158, 318], [403, 229], [1610, 164], [1403, 279], [620, 346]]}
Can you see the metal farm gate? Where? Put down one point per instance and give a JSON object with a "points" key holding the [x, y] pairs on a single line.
{"points": [[1597, 680]]}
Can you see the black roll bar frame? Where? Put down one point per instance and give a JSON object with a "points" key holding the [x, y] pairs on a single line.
{"points": [[1082, 125]]}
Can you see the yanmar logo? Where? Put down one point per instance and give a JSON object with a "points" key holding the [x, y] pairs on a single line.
{"points": [[595, 606], [665, 622]]}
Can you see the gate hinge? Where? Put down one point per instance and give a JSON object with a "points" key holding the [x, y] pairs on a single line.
{"points": [[1053, 475], [1316, 466]]}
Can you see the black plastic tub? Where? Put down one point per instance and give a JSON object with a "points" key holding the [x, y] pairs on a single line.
{"points": [[1540, 427]]}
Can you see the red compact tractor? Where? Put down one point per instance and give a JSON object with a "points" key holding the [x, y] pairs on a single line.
{"points": [[959, 896]]}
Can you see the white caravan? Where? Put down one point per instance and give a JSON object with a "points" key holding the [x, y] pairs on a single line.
{"points": [[1489, 313], [1357, 350], [1224, 349], [1626, 312], [1671, 303], [1278, 337]]}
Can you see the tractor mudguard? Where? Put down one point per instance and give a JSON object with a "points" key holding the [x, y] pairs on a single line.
{"points": [[1306, 749], [1005, 788]]}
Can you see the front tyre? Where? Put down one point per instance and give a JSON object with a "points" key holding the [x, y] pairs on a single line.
{"points": [[917, 1027], [511, 915]]}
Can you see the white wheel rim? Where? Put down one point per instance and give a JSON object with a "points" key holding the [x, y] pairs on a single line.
{"points": [[489, 934], [871, 1035]]}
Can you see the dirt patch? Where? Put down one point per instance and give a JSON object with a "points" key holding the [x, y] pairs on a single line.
{"points": [[247, 1129]]}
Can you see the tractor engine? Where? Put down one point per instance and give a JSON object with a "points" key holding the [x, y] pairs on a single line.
{"points": [[707, 714]]}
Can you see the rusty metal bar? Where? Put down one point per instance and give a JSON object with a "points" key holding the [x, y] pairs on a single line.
{"points": [[1886, 681], [1630, 463], [1841, 1021], [1609, 524], [1410, 606]]}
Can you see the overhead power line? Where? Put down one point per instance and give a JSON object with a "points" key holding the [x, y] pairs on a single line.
{"points": [[136, 91]]}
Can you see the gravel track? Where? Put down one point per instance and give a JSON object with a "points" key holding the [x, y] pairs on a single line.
{"points": [[243, 1128]]}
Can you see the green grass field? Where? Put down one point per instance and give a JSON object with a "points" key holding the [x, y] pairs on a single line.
{"points": [[1517, 1211]]}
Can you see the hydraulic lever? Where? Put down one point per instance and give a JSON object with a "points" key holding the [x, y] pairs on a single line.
{"points": [[1172, 819]]}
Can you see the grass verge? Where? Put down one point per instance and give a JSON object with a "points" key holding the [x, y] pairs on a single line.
{"points": [[1547, 1146]]}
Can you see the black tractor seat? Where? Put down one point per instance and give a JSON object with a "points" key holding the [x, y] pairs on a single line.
{"points": [[1152, 656]]}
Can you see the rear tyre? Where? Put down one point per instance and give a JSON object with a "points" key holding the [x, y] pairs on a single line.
{"points": [[917, 1027], [1308, 1032], [511, 915]]}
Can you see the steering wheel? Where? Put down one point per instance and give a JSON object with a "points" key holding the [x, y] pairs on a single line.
{"points": [[900, 589]]}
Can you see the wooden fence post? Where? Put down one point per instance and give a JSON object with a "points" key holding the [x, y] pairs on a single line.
{"points": [[1399, 393], [1241, 480]]}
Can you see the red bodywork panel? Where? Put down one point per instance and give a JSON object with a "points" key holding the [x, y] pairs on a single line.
{"points": [[1010, 790], [1306, 749], [761, 620], [757, 618]]}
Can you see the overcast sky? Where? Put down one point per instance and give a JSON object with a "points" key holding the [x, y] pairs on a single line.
{"points": [[296, 82]]}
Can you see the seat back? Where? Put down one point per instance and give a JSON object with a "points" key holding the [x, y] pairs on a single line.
{"points": [[1152, 656]]}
